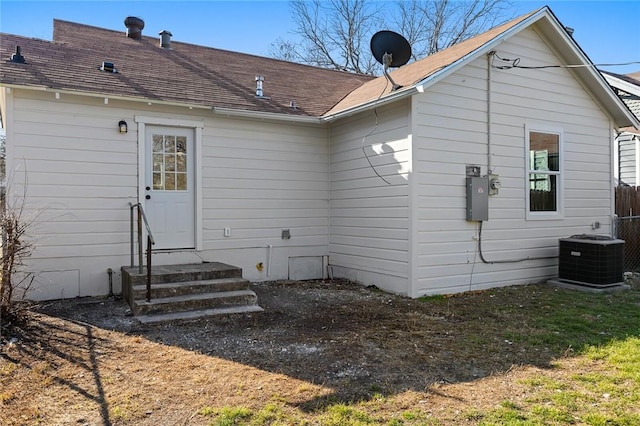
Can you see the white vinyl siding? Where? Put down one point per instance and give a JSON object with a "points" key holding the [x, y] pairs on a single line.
{"points": [[369, 217], [259, 178], [450, 131], [79, 174], [629, 158]]}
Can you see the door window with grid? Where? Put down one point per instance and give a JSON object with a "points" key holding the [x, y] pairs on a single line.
{"points": [[170, 163]]}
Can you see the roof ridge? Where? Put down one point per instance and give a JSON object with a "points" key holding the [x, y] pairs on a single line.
{"points": [[200, 46], [188, 74]]}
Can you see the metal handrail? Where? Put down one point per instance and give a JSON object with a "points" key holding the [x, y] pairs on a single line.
{"points": [[144, 217], [141, 218]]}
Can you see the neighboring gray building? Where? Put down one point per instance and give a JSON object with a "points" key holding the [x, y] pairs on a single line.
{"points": [[627, 146]]}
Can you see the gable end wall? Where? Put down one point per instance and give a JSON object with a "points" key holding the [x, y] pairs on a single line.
{"points": [[450, 131]]}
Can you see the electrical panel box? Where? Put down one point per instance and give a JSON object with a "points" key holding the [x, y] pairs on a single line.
{"points": [[478, 198]]}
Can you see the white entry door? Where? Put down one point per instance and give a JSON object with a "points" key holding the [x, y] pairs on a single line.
{"points": [[169, 190]]}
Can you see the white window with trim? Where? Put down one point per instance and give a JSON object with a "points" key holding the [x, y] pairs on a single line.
{"points": [[544, 195]]}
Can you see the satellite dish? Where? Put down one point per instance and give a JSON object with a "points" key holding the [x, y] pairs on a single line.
{"points": [[391, 50], [390, 43]]}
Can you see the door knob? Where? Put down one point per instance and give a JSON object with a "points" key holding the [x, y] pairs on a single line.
{"points": [[148, 188], [148, 197]]}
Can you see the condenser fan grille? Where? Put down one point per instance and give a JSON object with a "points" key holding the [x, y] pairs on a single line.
{"points": [[592, 260]]}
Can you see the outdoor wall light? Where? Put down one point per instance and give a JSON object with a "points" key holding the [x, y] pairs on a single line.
{"points": [[123, 126]]}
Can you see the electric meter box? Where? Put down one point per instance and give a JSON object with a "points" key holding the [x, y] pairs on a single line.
{"points": [[478, 198]]}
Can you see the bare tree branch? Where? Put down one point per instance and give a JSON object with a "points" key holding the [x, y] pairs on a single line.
{"points": [[336, 33], [16, 249], [414, 26]]}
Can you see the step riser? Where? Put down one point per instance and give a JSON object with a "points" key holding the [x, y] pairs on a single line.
{"points": [[140, 292], [145, 309], [177, 277]]}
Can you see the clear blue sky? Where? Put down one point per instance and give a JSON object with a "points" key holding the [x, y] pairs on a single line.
{"points": [[606, 30]]}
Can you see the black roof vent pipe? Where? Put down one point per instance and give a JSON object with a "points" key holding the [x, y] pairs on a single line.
{"points": [[17, 57], [134, 27]]}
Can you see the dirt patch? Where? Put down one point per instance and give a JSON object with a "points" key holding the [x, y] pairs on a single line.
{"points": [[316, 343], [338, 333]]}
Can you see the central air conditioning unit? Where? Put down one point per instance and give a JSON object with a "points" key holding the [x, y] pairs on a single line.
{"points": [[591, 260]]}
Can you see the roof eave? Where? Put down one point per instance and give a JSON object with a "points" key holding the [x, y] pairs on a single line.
{"points": [[108, 96], [621, 84], [261, 115], [392, 97]]}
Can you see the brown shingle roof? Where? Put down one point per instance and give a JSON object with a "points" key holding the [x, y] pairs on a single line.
{"points": [[186, 73], [635, 76], [629, 78], [203, 76], [411, 74]]}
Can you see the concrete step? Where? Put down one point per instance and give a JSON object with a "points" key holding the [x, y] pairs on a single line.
{"points": [[197, 314], [179, 273], [162, 290], [190, 302], [188, 292]]}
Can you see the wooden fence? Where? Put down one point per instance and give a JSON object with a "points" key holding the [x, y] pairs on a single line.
{"points": [[542, 201], [627, 225], [628, 201]]}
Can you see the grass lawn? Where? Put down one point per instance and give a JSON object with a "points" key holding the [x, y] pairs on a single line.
{"points": [[527, 355]]}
